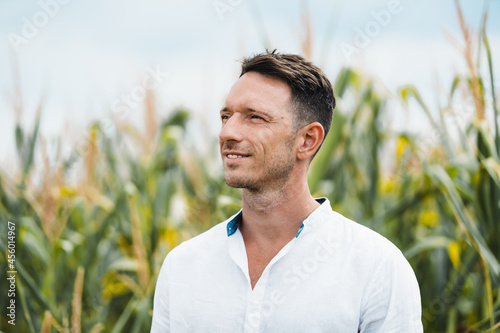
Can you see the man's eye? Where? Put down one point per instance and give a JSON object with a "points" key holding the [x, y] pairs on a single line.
{"points": [[256, 117]]}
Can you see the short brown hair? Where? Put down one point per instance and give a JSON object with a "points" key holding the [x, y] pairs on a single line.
{"points": [[312, 92]]}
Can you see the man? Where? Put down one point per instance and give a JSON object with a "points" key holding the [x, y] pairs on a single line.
{"points": [[286, 262]]}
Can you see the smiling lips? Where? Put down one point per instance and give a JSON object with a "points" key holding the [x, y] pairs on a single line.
{"points": [[234, 155]]}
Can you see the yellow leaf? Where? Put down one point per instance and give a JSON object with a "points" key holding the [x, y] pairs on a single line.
{"points": [[66, 191], [428, 218], [386, 185], [401, 146], [454, 253]]}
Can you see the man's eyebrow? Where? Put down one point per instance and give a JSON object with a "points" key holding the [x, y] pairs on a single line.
{"points": [[264, 113], [226, 109]]}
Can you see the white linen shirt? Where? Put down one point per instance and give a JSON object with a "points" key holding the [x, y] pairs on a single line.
{"points": [[334, 276]]}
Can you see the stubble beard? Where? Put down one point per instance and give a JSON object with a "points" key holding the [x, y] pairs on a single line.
{"points": [[274, 176]]}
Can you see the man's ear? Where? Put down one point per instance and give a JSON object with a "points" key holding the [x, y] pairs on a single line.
{"points": [[311, 136]]}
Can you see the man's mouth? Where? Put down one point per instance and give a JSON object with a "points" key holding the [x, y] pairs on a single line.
{"points": [[235, 156]]}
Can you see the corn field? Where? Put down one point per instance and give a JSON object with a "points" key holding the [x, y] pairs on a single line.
{"points": [[92, 228]]}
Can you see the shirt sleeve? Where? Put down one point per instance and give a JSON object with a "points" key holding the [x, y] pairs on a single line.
{"points": [[392, 298], [161, 315]]}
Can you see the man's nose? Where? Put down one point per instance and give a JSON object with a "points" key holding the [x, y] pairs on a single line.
{"points": [[232, 130]]}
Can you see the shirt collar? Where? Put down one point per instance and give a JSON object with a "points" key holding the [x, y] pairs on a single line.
{"points": [[233, 224]]}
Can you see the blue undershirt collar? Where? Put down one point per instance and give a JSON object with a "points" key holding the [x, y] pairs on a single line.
{"points": [[232, 226]]}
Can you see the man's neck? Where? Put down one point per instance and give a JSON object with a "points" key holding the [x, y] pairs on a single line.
{"points": [[275, 216], [271, 219]]}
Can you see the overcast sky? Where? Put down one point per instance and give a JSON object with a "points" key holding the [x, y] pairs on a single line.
{"points": [[82, 57]]}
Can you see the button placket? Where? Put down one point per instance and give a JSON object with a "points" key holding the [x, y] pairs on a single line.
{"points": [[255, 311]]}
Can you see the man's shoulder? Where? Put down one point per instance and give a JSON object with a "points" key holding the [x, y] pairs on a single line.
{"points": [[370, 253], [391, 296], [364, 239]]}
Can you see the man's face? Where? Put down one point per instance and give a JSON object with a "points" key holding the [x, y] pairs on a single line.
{"points": [[257, 137]]}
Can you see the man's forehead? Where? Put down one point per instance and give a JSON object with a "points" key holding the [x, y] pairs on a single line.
{"points": [[256, 89]]}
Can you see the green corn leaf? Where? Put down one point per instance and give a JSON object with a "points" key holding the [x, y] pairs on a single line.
{"points": [[454, 85], [124, 317], [427, 244], [347, 78], [440, 177], [493, 168], [492, 83]]}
